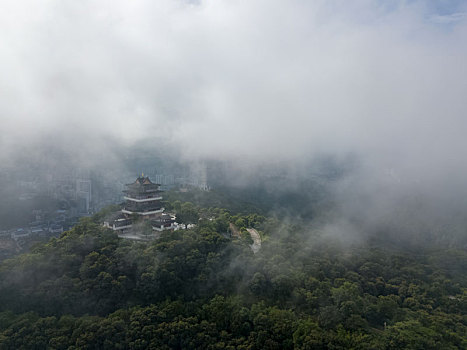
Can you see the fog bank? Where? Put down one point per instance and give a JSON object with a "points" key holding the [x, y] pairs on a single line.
{"points": [[266, 81]]}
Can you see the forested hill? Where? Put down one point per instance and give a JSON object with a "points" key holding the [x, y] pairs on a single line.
{"points": [[201, 289]]}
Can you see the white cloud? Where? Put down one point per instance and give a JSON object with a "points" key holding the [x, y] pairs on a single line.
{"points": [[270, 79], [448, 19]]}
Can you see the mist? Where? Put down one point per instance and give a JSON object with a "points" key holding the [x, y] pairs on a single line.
{"points": [[258, 85]]}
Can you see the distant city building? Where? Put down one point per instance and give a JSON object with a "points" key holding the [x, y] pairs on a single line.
{"points": [[142, 201], [56, 229], [193, 181], [83, 195], [166, 181]]}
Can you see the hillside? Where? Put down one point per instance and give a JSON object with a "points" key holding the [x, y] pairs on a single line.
{"points": [[200, 289]]}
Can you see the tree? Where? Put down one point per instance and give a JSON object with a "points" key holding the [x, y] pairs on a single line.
{"points": [[188, 214]]}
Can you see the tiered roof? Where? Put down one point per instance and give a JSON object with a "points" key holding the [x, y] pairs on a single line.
{"points": [[142, 184]]}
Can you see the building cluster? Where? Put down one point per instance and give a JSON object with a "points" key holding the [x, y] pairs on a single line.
{"points": [[42, 230], [58, 198], [76, 191], [20, 238], [74, 187], [166, 182], [142, 205]]}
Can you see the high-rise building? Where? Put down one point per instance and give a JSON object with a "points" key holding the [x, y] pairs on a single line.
{"points": [[83, 195]]}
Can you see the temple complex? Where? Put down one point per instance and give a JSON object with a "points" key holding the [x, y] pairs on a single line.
{"points": [[142, 202]]}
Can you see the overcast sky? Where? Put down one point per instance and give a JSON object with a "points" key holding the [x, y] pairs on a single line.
{"points": [[386, 80]]}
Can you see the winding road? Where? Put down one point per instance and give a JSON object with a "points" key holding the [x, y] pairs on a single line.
{"points": [[256, 246]]}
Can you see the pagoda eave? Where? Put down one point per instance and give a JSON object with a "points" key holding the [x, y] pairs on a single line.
{"points": [[125, 211], [143, 199]]}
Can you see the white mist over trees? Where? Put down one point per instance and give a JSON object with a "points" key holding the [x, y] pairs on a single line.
{"points": [[330, 131], [266, 80]]}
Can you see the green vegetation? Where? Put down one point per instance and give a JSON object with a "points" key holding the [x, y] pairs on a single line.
{"points": [[186, 213], [201, 288]]}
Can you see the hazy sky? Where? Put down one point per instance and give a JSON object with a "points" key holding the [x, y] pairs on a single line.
{"points": [[386, 80]]}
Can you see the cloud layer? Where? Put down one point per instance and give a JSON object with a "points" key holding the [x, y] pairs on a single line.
{"points": [[270, 79]]}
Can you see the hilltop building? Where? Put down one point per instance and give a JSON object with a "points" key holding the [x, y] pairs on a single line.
{"points": [[143, 198], [142, 202]]}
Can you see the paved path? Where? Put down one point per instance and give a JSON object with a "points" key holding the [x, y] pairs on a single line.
{"points": [[256, 246], [135, 237], [234, 230]]}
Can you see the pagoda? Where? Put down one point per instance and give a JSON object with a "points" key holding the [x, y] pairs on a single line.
{"points": [[143, 198], [142, 201]]}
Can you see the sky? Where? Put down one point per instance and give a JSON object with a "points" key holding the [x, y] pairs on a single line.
{"points": [[284, 80]]}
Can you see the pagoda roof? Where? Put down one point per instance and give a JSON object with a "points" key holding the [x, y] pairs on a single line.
{"points": [[115, 216], [142, 182]]}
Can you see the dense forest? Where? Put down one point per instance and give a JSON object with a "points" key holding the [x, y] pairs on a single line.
{"points": [[203, 288]]}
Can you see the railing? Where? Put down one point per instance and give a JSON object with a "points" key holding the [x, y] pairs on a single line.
{"points": [[121, 223], [141, 199], [141, 191], [145, 211], [163, 227], [141, 208], [141, 195]]}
